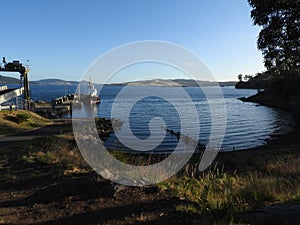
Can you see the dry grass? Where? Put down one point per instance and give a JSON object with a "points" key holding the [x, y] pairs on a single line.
{"points": [[237, 183], [58, 151], [16, 121], [225, 195]]}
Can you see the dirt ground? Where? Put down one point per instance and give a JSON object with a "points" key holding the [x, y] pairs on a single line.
{"points": [[29, 194], [32, 195]]}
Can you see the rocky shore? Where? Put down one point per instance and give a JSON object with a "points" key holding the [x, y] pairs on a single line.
{"points": [[283, 94]]}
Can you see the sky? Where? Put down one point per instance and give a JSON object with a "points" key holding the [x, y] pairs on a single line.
{"points": [[61, 38]]}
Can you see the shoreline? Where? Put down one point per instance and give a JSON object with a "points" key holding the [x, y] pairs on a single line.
{"points": [[46, 181], [275, 100], [275, 142]]}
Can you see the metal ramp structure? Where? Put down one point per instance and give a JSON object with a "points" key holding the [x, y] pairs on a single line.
{"points": [[7, 94]]}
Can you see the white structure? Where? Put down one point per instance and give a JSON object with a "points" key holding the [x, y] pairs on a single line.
{"points": [[9, 94]]}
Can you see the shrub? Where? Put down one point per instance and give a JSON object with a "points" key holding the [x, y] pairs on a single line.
{"points": [[18, 118]]}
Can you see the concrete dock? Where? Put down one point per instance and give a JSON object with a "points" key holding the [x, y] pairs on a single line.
{"points": [[51, 109]]}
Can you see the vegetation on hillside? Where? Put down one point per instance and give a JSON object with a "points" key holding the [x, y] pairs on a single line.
{"points": [[16, 121], [279, 39], [235, 185], [258, 81]]}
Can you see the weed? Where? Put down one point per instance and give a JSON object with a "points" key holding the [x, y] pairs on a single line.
{"points": [[224, 196], [59, 153], [189, 208]]}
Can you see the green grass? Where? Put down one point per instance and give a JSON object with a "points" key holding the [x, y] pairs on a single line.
{"points": [[224, 196], [16, 121], [57, 151], [234, 185]]}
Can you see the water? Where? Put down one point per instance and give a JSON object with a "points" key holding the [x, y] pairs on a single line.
{"points": [[248, 124]]}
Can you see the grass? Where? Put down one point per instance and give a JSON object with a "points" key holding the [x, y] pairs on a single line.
{"points": [[233, 186], [16, 121], [57, 151], [225, 196]]}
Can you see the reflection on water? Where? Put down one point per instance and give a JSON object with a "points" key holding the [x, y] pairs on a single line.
{"points": [[248, 124], [86, 111]]}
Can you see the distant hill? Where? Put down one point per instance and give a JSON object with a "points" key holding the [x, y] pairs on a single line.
{"points": [[154, 82], [12, 80], [174, 83], [8, 80], [192, 83], [54, 81]]}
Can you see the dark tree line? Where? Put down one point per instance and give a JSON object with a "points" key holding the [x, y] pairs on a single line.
{"points": [[279, 39]]}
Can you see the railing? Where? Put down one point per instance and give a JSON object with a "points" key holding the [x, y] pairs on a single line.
{"points": [[16, 103], [22, 103]]}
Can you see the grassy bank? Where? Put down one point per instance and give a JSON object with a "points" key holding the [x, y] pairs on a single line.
{"points": [[59, 152], [225, 194], [49, 171], [235, 185], [16, 121]]}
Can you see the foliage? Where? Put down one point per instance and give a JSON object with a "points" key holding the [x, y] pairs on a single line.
{"points": [[22, 117], [16, 121], [225, 196], [18, 118], [279, 39], [248, 77], [58, 152], [240, 77]]}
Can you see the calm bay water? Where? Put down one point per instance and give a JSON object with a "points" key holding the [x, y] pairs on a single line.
{"points": [[248, 124]]}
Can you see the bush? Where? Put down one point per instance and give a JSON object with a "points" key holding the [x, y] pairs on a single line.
{"points": [[22, 117], [18, 118]]}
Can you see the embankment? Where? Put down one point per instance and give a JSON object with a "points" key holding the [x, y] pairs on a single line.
{"points": [[283, 94]]}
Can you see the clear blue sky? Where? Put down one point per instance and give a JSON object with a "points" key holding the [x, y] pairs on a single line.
{"points": [[61, 38]]}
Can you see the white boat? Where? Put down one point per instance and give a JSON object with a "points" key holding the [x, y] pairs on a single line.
{"points": [[90, 96]]}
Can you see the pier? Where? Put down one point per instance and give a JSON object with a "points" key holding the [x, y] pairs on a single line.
{"points": [[58, 107]]}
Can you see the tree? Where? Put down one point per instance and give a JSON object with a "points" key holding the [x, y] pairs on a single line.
{"points": [[240, 77], [279, 39], [248, 77]]}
